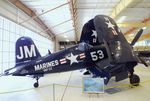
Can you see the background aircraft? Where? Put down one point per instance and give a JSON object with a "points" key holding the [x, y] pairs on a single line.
{"points": [[112, 56]]}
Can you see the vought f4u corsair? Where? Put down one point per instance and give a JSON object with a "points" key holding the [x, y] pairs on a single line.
{"points": [[105, 53]]}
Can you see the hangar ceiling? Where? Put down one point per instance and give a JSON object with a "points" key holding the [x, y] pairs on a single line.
{"points": [[66, 17], [56, 14]]}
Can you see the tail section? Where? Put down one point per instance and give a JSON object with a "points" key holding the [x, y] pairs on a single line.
{"points": [[26, 51]]}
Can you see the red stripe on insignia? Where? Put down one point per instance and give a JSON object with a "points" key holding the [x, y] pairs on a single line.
{"points": [[62, 61], [114, 32], [82, 55]]}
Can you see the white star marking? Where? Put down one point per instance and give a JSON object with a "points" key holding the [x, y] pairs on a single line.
{"points": [[76, 48], [94, 34], [110, 25], [106, 18], [72, 58]]}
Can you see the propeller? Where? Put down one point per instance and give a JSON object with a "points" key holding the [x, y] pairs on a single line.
{"points": [[137, 37]]}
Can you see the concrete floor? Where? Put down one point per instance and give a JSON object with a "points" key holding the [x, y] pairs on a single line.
{"points": [[45, 93]]}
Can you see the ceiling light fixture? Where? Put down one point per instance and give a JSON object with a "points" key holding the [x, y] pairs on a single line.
{"points": [[144, 27], [121, 19]]}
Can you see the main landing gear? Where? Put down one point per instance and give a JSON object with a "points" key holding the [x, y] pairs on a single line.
{"points": [[36, 84], [134, 80]]}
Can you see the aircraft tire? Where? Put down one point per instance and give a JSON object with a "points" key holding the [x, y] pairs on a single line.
{"points": [[134, 80], [36, 85]]}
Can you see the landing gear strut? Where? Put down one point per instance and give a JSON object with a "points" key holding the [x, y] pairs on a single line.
{"points": [[134, 79], [36, 84]]}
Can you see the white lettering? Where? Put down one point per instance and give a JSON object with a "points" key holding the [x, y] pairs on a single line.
{"points": [[100, 54], [37, 67], [30, 52], [27, 52], [97, 55], [94, 56], [21, 54], [47, 65], [53, 64], [56, 62]]}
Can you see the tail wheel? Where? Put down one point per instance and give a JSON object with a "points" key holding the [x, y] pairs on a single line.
{"points": [[36, 85], [134, 80]]}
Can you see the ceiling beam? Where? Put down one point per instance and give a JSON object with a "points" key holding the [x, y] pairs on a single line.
{"points": [[65, 32], [44, 12], [73, 4], [61, 23], [133, 24], [122, 5], [143, 37], [144, 23], [31, 13]]}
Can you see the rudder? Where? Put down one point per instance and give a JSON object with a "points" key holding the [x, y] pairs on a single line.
{"points": [[26, 50]]}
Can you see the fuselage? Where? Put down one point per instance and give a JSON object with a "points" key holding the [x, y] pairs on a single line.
{"points": [[69, 59]]}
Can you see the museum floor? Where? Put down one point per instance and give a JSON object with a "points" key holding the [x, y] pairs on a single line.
{"points": [[24, 91]]}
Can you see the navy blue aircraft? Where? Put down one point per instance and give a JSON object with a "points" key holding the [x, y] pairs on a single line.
{"points": [[103, 50]]}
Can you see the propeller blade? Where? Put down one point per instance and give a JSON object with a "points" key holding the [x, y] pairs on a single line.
{"points": [[137, 37], [142, 61]]}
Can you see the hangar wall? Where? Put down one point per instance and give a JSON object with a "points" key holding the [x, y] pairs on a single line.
{"points": [[11, 30], [11, 12]]}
